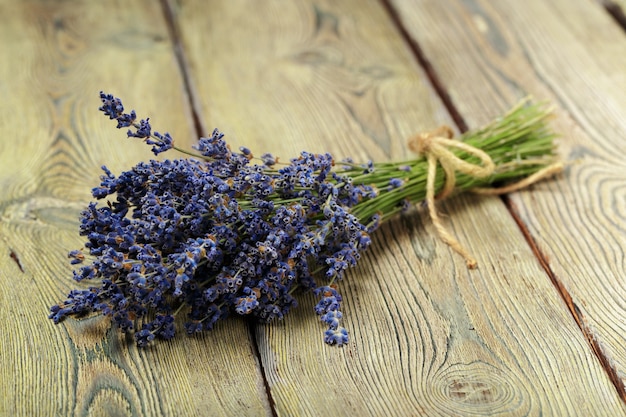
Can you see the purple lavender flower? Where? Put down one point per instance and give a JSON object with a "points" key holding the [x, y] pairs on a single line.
{"points": [[215, 235], [143, 131], [269, 160], [338, 336], [222, 233], [395, 183], [113, 107]]}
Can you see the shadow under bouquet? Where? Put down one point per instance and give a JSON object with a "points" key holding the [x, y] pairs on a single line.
{"points": [[219, 232]]}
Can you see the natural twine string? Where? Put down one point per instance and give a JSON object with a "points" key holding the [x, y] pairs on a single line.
{"points": [[436, 146]]}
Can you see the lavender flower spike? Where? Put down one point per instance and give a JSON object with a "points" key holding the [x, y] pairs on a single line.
{"points": [[219, 234]]}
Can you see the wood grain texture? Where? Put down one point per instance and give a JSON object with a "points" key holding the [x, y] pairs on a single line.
{"points": [[248, 69], [55, 57], [428, 336], [574, 54]]}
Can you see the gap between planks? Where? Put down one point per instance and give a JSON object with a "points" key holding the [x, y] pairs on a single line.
{"points": [[170, 19], [612, 8], [200, 131], [595, 345], [617, 10], [618, 14], [423, 61]]}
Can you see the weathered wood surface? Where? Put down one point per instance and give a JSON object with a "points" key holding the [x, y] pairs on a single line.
{"points": [[460, 339], [428, 337], [56, 57], [578, 61]]}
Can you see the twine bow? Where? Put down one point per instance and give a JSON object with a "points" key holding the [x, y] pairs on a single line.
{"points": [[436, 146]]}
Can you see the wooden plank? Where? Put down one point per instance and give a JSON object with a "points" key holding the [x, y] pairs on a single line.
{"points": [[55, 57], [428, 336], [571, 52]]}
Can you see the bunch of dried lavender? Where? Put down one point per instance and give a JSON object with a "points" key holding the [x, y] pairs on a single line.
{"points": [[215, 234]]}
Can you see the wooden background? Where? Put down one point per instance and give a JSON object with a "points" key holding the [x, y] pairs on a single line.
{"points": [[538, 329]]}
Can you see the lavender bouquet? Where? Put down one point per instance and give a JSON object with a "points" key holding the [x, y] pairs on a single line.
{"points": [[221, 232]]}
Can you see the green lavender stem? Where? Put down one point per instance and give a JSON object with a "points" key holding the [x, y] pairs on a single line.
{"points": [[519, 143]]}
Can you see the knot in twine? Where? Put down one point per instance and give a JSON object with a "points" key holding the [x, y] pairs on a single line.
{"points": [[436, 146]]}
